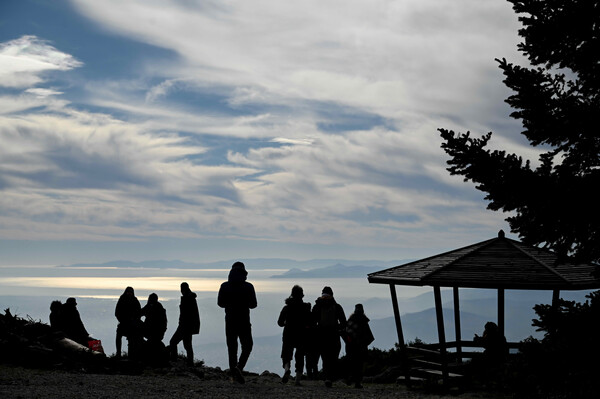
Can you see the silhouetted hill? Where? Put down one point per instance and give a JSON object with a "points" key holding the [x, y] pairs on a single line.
{"points": [[338, 270]]}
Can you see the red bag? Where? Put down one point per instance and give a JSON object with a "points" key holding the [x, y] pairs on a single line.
{"points": [[96, 345]]}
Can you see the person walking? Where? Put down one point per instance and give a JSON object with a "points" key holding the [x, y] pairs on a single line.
{"points": [[358, 339], [237, 297], [295, 320], [189, 324], [331, 321], [128, 312]]}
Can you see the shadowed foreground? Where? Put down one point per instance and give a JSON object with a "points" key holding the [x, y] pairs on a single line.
{"points": [[18, 382]]}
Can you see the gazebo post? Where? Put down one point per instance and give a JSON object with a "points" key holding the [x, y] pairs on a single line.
{"points": [[441, 333], [397, 318], [555, 297], [457, 324], [501, 310], [401, 343]]}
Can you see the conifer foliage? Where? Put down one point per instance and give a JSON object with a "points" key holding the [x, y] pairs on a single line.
{"points": [[557, 100]]}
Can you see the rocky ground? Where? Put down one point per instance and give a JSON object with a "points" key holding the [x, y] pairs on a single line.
{"points": [[183, 382]]}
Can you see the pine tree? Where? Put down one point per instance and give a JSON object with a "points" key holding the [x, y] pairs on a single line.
{"points": [[557, 99]]}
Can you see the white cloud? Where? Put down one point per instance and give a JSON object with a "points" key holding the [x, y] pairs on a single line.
{"points": [[23, 61], [293, 82]]}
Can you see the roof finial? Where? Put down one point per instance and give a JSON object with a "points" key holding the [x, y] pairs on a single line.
{"points": [[501, 234]]}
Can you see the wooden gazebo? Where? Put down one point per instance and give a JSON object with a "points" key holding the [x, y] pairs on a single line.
{"points": [[499, 263]]}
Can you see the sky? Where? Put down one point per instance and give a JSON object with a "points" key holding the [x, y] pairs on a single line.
{"points": [[211, 130]]}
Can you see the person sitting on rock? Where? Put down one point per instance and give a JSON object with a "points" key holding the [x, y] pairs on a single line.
{"points": [[154, 326], [72, 325]]}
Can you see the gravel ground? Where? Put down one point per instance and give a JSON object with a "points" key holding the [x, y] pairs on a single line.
{"points": [[18, 382]]}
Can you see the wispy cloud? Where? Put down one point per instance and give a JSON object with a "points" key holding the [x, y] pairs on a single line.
{"points": [[308, 122], [23, 61]]}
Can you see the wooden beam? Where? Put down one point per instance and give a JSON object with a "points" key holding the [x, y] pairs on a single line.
{"points": [[401, 343], [501, 310], [397, 317], [457, 332], [439, 313], [555, 297]]}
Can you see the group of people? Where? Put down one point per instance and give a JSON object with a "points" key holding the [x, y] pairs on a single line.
{"points": [[145, 337], [316, 332], [65, 319], [308, 332]]}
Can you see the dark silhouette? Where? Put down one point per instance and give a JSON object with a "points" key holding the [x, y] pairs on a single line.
{"points": [[555, 204], [56, 317], [331, 321], [154, 327], [312, 351], [494, 344], [358, 338], [72, 326], [237, 296], [128, 313], [189, 324], [295, 320]]}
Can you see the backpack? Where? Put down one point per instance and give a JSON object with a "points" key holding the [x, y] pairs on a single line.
{"points": [[328, 316]]}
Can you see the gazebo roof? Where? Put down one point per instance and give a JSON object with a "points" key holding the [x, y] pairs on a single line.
{"points": [[496, 263]]}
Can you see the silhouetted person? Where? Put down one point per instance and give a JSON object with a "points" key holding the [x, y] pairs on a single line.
{"points": [[56, 316], [330, 320], [189, 324], [237, 296], [128, 313], [359, 337], [312, 351], [72, 325], [295, 320], [494, 344], [154, 327]]}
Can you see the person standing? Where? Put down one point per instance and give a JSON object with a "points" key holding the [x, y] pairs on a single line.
{"points": [[237, 297], [359, 337], [331, 321], [295, 320], [128, 312], [189, 324]]}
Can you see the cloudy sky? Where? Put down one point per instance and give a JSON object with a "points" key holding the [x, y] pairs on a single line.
{"points": [[206, 130]]}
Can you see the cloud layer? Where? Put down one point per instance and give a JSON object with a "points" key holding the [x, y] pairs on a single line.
{"points": [[312, 122]]}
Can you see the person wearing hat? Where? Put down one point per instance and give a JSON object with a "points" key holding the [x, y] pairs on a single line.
{"points": [[358, 338], [189, 324], [237, 297], [71, 323], [329, 317], [295, 320]]}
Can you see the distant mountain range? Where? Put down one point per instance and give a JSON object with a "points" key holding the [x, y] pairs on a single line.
{"points": [[337, 270], [355, 268]]}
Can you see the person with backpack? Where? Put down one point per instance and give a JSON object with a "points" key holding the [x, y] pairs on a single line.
{"points": [[295, 320], [358, 338], [189, 324], [330, 320], [237, 297]]}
